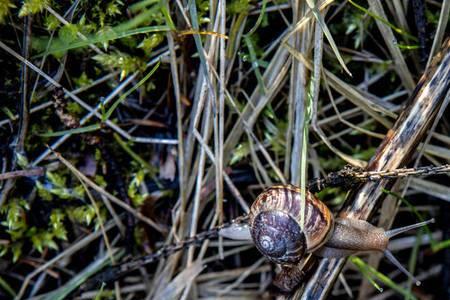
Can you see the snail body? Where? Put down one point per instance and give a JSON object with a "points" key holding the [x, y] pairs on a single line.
{"points": [[352, 236]]}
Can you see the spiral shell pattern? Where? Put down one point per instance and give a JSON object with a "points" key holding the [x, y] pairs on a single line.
{"points": [[282, 203], [278, 236]]}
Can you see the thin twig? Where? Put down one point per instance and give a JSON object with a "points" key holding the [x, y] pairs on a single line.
{"points": [[18, 145], [23, 173]]}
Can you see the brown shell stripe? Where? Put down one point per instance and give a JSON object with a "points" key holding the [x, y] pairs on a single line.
{"points": [[317, 216], [318, 223]]}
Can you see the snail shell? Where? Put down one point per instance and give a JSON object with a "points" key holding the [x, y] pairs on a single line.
{"points": [[275, 224]]}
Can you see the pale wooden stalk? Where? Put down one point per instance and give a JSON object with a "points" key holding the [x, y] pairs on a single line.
{"points": [[396, 150], [298, 97], [391, 42]]}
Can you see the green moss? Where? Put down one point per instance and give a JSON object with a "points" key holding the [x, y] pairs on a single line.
{"points": [[74, 109], [238, 6], [31, 7], [105, 11], [121, 61], [55, 184], [14, 217], [41, 239], [68, 33], [56, 222], [100, 181], [20, 232], [133, 189], [51, 22], [242, 151], [5, 6], [82, 214], [147, 44]]}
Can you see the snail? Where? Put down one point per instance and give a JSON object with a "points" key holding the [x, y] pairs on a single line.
{"points": [[275, 227]]}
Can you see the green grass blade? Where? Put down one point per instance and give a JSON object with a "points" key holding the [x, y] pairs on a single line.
{"points": [[408, 47], [259, 20], [81, 277], [168, 18], [152, 170], [387, 23], [7, 288], [137, 20], [362, 267], [141, 5], [381, 277], [440, 246], [131, 90], [255, 64], [79, 130], [99, 295], [198, 43], [106, 37], [413, 259], [415, 212], [328, 34]]}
